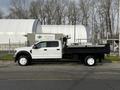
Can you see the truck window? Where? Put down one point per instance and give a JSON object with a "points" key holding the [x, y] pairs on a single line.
{"points": [[41, 45], [47, 44], [52, 44]]}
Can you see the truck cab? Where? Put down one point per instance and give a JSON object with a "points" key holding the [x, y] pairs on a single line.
{"points": [[47, 50], [41, 50]]}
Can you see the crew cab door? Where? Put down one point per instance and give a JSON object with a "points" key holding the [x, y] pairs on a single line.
{"points": [[47, 50]]}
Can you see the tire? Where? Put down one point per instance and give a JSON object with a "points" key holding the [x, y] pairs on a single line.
{"points": [[90, 61], [23, 60]]}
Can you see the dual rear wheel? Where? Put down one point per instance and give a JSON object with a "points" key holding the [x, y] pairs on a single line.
{"points": [[90, 60]]}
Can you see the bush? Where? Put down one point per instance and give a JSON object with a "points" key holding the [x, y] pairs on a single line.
{"points": [[112, 58]]}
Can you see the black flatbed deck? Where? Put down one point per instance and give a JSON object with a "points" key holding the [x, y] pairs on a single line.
{"points": [[100, 49]]}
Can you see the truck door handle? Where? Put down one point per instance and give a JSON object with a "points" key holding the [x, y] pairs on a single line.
{"points": [[45, 49], [58, 49]]}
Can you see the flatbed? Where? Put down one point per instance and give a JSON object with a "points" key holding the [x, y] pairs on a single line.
{"points": [[101, 49]]}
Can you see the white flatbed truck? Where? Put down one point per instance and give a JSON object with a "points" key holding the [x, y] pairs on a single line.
{"points": [[49, 50]]}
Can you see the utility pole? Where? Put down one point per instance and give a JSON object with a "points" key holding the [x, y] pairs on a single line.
{"points": [[74, 25], [74, 33], [9, 45], [119, 24]]}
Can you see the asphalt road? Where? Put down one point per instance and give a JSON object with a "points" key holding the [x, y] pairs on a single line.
{"points": [[59, 76]]}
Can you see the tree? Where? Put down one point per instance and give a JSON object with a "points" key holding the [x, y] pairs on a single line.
{"points": [[50, 9], [37, 10], [105, 15], [1, 14], [19, 9], [59, 12], [72, 13], [84, 6]]}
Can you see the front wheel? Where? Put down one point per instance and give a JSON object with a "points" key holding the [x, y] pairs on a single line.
{"points": [[23, 61], [90, 61]]}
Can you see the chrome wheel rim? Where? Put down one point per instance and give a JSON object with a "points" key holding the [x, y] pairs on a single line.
{"points": [[91, 61], [23, 61]]}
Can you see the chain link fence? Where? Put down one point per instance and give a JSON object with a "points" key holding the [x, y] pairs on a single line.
{"points": [[9, 48]]}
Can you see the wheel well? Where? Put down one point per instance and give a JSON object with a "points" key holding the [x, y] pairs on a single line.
{"points": [[24, 53]]}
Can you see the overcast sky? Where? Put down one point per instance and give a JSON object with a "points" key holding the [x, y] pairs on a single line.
{"points": [[4, 5]]}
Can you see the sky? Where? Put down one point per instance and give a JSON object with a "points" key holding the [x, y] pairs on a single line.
{"points": [[4, 5]]}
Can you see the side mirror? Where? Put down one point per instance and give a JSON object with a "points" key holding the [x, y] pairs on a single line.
{"points": [[35, 46]]}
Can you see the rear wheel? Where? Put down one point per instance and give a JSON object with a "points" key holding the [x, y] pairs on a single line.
{"points": [[23, 60], [90, 61]]}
